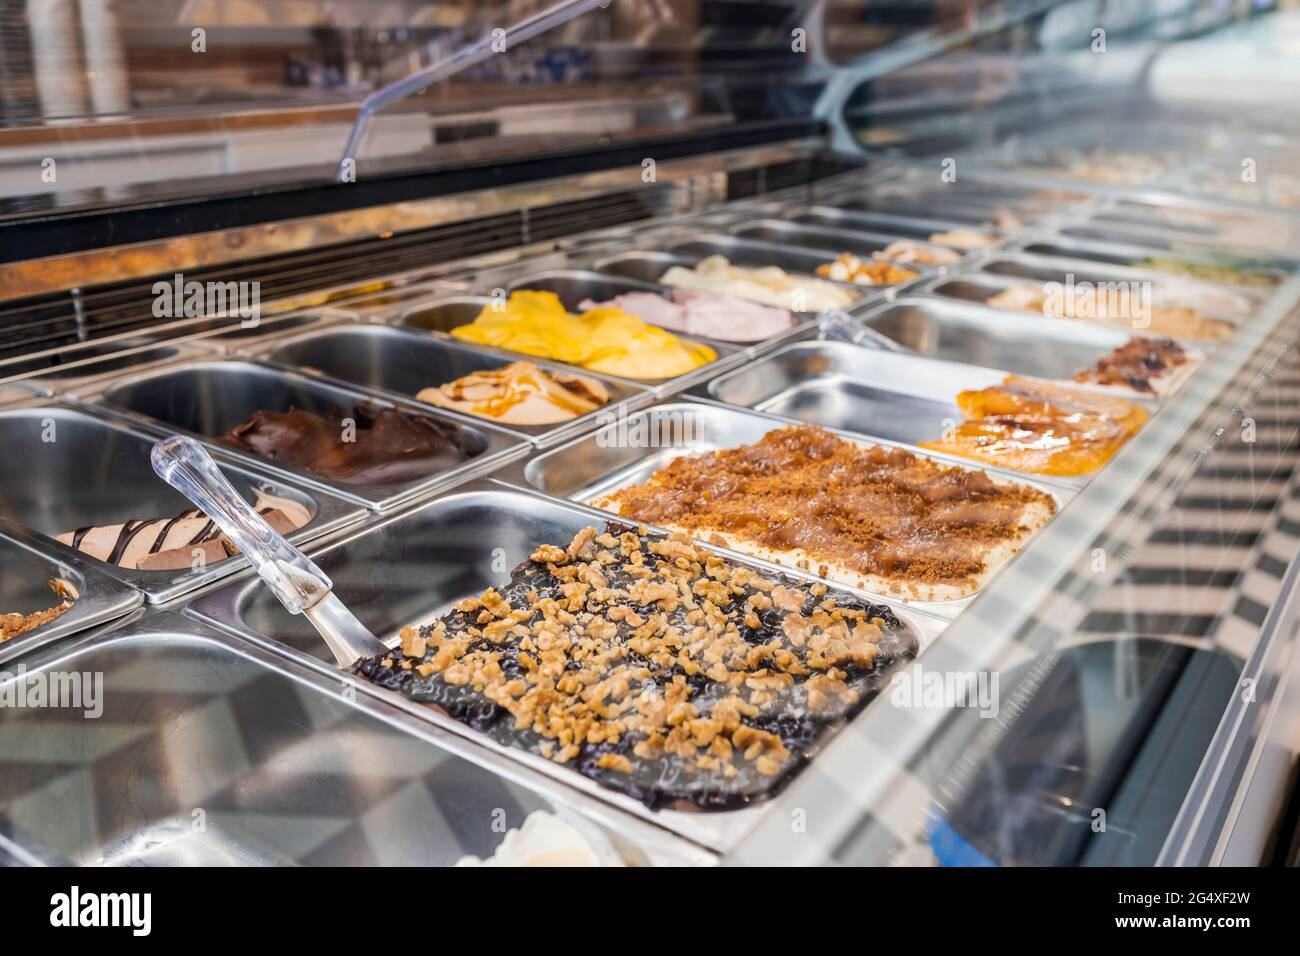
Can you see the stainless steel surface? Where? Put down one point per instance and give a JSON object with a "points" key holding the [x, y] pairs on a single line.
{"points": [[219, 335], [978, 335], [1125, 253], [95, 471], [978, 287], [387, 359], [431, 556], [898, 397], [27, 565], [834, 240], [1227, 301], [908, 227], [205, 400], [240, 756], [64, 369], [617, 456], [754, 255]]}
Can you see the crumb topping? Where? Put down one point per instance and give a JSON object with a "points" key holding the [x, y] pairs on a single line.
{"points": [[650, 664]]}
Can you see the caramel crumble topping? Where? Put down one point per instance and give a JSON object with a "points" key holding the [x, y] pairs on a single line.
{"points": [[873, 511], [653, 666], [12, 625]]}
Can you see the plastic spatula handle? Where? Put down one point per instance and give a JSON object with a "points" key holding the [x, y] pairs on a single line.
{"points": [[836, 326], [290, 574]]}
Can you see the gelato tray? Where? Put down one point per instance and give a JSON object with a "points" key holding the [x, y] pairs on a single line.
{"points": [[1212, 298], [86, 481], [47, 592], [93, 362], [753, 451], [941, 232], [1251, 274], [277, 765], [535, 324], [1022, 343], [352, 443], [721, 321], [390, 359], [228, 335], [919, 257], [1131, 306]]}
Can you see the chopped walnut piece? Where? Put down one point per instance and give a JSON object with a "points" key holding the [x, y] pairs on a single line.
{"points": [[648, 657]]}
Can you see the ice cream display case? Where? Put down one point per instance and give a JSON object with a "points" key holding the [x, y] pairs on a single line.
{"points": [[757, 433]]}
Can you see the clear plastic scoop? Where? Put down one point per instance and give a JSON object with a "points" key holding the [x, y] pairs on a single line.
{"points": [[836, 326], [300, 586]]}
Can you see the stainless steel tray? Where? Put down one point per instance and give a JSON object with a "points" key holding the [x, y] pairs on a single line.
{"points": [[80, 365], [977, 287], [833, 239], [444, 314], [906, 227], [206, 399], [428, 558], [1018, 342], [228, 335], [885, 395], [1224, 301], [604, 461], [95, 471], [754, 254], [1249, 247], [243, 757], [387, 359], [27, 564], [1123, 253], [969, 214]]}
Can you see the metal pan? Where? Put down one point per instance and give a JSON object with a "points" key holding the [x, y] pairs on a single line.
{"points": [[385, 359], [965, 214], [428, 558], [27, 564], [1018, 342], [1139, 257], [629, 452], [230, 335], [72, 368], [70, 469], [884, 395], [979, 287], [442, 315], [642, 265], [752, 254], [207, 399], [278, 765], [908, 227], [1266, 244], [835, 240], [1229, 302]]}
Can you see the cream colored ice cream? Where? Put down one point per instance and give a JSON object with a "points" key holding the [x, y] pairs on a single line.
{"points": [[768, 285], [520, 394]]}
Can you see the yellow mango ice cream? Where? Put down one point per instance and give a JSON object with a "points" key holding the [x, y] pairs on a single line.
{"points": [[604, 339]]}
